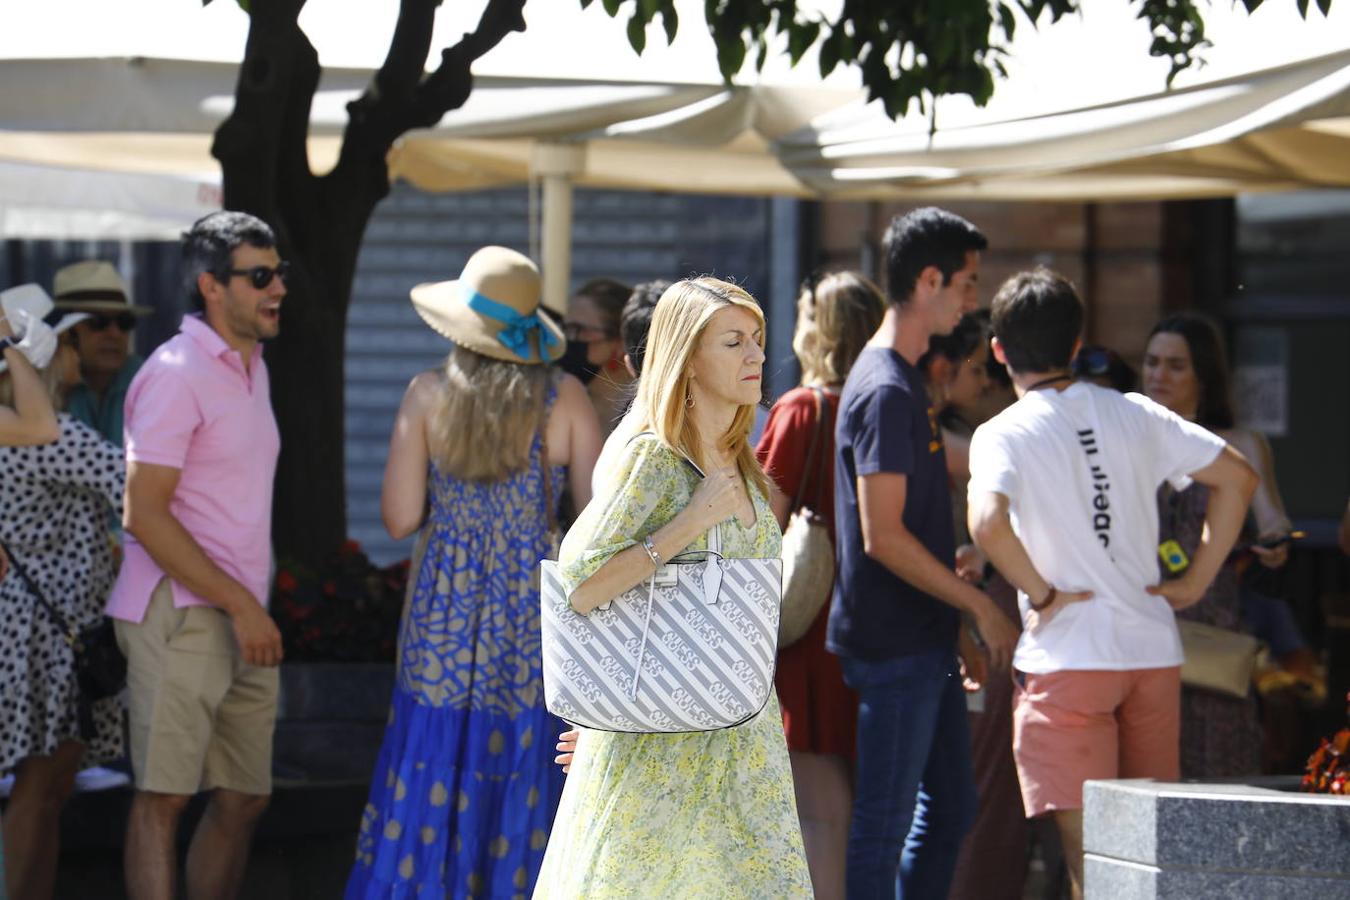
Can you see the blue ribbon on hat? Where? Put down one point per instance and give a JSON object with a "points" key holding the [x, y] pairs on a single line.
{"points": [[516, 335]]}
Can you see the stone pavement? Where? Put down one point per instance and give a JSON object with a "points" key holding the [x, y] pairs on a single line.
{"points": [[303, 849]]}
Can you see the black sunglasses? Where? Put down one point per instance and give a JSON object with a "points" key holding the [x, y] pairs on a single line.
{"points": [[811, 282], [574, 331], [261, 276], [100, 322], [1093, 361]]}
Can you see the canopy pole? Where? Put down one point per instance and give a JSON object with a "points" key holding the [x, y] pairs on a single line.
{"points": [[555, 165]]}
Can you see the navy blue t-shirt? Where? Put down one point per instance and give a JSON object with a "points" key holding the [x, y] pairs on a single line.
{"points": [[886, 424]]}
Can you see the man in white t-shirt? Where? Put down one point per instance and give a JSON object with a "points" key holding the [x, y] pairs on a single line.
{"points": [[1062, 500]]}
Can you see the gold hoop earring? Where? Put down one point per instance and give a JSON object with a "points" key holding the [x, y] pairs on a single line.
{"points": [[688, 399]]}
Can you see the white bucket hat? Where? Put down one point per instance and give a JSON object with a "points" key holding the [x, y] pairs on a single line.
{"points": [[33, 300]]}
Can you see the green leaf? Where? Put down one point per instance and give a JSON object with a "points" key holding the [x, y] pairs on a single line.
{"points": [[584, 3], [1303, 8], [829, 55], [801, 35], [1251, 5], [1006, 19], [244, 5], [730, 56], [1324, 6], [985, 89], [637, 34], [671, 20], [612, 7]]}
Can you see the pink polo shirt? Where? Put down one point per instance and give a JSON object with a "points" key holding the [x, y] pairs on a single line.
{"points": [[194, 407]]}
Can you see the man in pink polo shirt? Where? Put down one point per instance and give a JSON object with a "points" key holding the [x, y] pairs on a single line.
{"points": [[202, 651]]}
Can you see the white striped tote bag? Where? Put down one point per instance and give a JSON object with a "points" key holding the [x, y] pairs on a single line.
{"points": [[692, 648]]}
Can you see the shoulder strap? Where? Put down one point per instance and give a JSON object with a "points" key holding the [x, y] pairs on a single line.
{"points": [[714, 533], [42, 601], [810, 469], [544, 468], [687, 461]]}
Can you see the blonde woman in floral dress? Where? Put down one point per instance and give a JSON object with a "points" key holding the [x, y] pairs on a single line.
{"points": [[702, 814]]}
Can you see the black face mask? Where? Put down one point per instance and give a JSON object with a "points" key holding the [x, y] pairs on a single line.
{"points": [[574, 361]]}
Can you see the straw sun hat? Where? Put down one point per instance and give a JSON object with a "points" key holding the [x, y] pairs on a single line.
{"points": [[93, 286], [493, 308]]}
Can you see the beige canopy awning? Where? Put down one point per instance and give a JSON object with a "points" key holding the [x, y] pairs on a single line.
{"points": [[157, 116], [70, 127], [1283, 128]]}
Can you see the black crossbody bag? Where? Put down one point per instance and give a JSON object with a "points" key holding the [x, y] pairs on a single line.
{"points": [[100, 667]]}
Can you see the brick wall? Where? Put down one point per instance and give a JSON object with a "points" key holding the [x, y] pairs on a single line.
{"points": [[1132, 262]]}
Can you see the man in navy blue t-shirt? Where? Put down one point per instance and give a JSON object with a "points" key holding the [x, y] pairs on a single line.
{"points": [[895, 621]]}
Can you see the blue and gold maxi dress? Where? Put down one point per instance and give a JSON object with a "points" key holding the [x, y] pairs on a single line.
{"points": [[465, 787]]}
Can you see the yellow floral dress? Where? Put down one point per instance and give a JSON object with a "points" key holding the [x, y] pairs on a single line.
{"points": [[706, 814]]}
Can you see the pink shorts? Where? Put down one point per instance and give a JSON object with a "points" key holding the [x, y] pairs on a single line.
{"points": [[1074, 725]]}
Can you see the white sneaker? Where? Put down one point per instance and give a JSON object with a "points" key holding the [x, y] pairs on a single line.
{"points": [[100, 779]]}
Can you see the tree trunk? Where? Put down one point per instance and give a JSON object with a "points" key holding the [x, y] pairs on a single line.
{"points": [[320, 223]]}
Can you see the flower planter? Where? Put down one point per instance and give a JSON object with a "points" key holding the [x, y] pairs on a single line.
{"points": [[330, 720]]}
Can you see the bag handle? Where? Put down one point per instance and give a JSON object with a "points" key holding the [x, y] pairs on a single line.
{"points": [[811, 468]]}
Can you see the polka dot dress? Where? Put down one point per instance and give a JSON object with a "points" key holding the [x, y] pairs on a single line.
{"points": [[55, 501]]}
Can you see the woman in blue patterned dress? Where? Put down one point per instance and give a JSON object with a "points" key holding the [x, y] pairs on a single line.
{"points": [[464, 790]]}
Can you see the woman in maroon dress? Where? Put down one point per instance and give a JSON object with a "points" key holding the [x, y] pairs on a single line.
{"points": [[835, 317]]}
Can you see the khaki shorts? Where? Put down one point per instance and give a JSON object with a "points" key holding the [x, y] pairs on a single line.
{"points": [[201, 718]]}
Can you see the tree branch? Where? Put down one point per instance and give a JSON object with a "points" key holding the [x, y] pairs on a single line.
{"points": [[402, 69], [448, 87], [262, 143], [399, 99]]}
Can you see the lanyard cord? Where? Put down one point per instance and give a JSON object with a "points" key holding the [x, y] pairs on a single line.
{"points": [[1044, 381]]}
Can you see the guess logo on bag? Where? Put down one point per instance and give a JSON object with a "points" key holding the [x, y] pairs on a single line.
{"points": [[681, 650], [707, 632]]}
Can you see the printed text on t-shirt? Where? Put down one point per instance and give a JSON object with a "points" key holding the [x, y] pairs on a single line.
{"points": [[1101, 488]]}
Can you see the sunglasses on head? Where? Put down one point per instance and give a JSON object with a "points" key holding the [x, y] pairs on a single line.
{"points": [[100, 322], [261, 276]]}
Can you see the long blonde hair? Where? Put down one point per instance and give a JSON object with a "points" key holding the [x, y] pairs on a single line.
{"points": [[836, 316], [487, 416], [678, 323]]}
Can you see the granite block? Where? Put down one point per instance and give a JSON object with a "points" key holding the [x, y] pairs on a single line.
{"points": [[1121, 821], [1113, 879], [1259, 824], [1257, 838]]}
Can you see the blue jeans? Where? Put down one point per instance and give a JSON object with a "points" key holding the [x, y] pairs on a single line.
{"points": [[915, 784]]}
